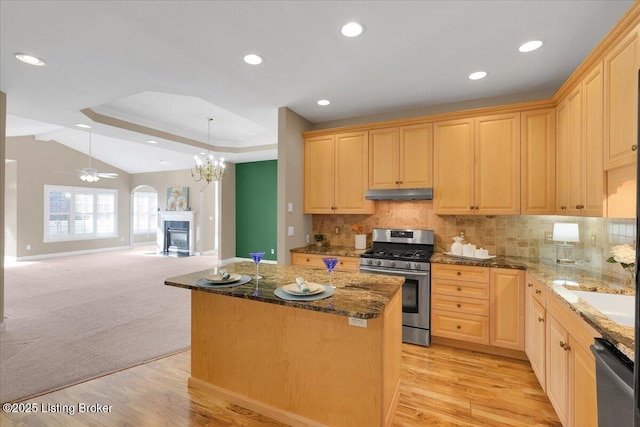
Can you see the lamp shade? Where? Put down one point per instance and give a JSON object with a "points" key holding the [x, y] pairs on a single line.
{"points": [[566, 232]]}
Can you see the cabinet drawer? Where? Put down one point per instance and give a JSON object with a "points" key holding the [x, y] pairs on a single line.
{"points": [[538, 290], [460, 305], [460, 289], [459, 326], [312, 260], [460, 272]]}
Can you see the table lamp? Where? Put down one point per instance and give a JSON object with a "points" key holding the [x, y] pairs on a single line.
{"points": [[565, 232]]}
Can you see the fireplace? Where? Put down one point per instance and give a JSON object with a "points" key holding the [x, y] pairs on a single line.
{"points": [[176, 233], [176, 237]]}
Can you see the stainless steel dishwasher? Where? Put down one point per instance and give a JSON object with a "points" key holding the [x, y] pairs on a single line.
{"points": [[614, 379]]}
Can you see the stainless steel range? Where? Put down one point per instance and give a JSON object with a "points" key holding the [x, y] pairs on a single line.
{"points": [[406, 253]]}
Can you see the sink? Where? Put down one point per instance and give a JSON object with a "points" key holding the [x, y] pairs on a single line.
{"points": [[619, 308]]}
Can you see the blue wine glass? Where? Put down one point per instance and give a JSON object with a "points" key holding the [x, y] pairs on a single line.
{"points": [[331, 264], [257, 257]]}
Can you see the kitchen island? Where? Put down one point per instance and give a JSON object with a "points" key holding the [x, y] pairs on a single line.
{"points": [[333, 362]]}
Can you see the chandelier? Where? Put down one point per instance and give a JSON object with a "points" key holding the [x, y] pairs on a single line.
{"points": [[208, 169]]}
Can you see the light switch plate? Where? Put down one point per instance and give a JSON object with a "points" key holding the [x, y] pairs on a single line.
{"points": [[289, 207], [360, 323], [290, 231]]}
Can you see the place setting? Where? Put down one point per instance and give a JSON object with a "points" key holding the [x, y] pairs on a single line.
{"points": [[302, 290], [223, 279]]}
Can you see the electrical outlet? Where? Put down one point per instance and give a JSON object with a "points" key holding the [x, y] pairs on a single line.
{"points": [[273, 251], [290, 231], [336, 230], [548, 238], [308, 239], [28, 247], [360, 323], [594, 240]]}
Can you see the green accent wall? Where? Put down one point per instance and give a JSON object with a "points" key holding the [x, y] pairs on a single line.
{"points": [[256, 208]]}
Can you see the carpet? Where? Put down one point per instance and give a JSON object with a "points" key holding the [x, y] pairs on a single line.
{"points": [[74, 318]]}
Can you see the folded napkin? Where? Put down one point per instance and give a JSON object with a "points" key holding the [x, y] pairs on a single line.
{"points": [[302, 284]]}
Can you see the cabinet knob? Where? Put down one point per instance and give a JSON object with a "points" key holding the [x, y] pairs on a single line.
{"points": [[563, 207], [540, 319], [538, 291], [472, 207], [308, 259], [634, 147], [476, 207], [459, 288], [458, 273], [579, 206], [565, 346], [458, 327], [529, 285], [458, 305]]}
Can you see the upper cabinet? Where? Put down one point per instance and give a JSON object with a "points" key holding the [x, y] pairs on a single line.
{"points": [[474, 157], [335, 174], [401, 157], [580, 175], [621, 65], [538, 162]]}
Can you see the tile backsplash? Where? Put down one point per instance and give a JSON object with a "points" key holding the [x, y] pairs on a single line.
{"points": [[518, 235]]}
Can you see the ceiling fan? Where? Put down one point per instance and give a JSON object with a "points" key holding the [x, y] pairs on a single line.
{"points": [[91, 174]]}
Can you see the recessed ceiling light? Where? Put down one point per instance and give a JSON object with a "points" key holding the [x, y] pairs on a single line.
{"points": [[477, 75], [530, 46], [202, 153], [163, 162], [30, 59], [324, 102], [152, 141], [253, 59], [352, 29], [83, 126]]}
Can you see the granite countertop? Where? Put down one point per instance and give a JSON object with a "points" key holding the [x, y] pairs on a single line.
{"points": [[357, 295], [329, 250], [583, 278]]}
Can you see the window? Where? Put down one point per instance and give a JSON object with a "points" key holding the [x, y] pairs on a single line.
{"points": [[72, 213], [145, 212]]}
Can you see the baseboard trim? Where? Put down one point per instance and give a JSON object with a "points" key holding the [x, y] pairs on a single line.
{"points": [[62, 254], [498, 351], [288, 418]]}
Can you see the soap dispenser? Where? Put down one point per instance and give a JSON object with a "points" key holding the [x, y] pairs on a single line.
{"points": [[456, 247]]}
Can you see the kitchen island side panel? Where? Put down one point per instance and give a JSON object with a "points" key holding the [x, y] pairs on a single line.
{"points": [[298, 366]]}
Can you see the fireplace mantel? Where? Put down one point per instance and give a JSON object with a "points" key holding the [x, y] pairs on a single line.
{"points": [[164, 216]]}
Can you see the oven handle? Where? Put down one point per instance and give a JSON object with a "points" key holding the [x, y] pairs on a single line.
{"points": [[395, 272]]}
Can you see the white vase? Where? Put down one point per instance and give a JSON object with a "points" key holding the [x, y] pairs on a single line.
{"points": [[456, 247], [361, 241]]}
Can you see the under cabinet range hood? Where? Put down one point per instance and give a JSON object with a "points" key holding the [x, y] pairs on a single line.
{"points": [[400, 194]]}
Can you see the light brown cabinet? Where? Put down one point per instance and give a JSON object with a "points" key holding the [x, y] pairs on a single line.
{"points": [[473, 157], [621, 65], [401, 157], [538, 162], [345, 263], [535, 335], [580, 178], [335, 174], [478, 305], [506, 302]]}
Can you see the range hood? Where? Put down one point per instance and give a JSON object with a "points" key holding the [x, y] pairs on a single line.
{"points": [[400, 194]]}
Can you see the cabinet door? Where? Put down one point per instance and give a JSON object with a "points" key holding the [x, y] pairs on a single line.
{"points": [[416, 156], [575, 153], [453, 167], [506, 308], [538, 162], [557, 359], [383, 158], [562, 158], [537, 358], [594, 179], [351, 174], [583, 387], [621, 101], [497, 165], [319, 174]]}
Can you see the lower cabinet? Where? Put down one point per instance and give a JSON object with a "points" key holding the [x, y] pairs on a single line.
{"points": [[345, 263], [478, 305], [557, 344]]}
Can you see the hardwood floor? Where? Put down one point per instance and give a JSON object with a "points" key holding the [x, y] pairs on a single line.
{"points": [[440, 386]]}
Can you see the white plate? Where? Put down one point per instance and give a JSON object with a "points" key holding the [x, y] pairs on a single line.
{"points": [[293, 289], [470, 257], [215, 278]]}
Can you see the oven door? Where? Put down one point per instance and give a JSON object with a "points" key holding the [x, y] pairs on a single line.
{"points": [[416, 305]]}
